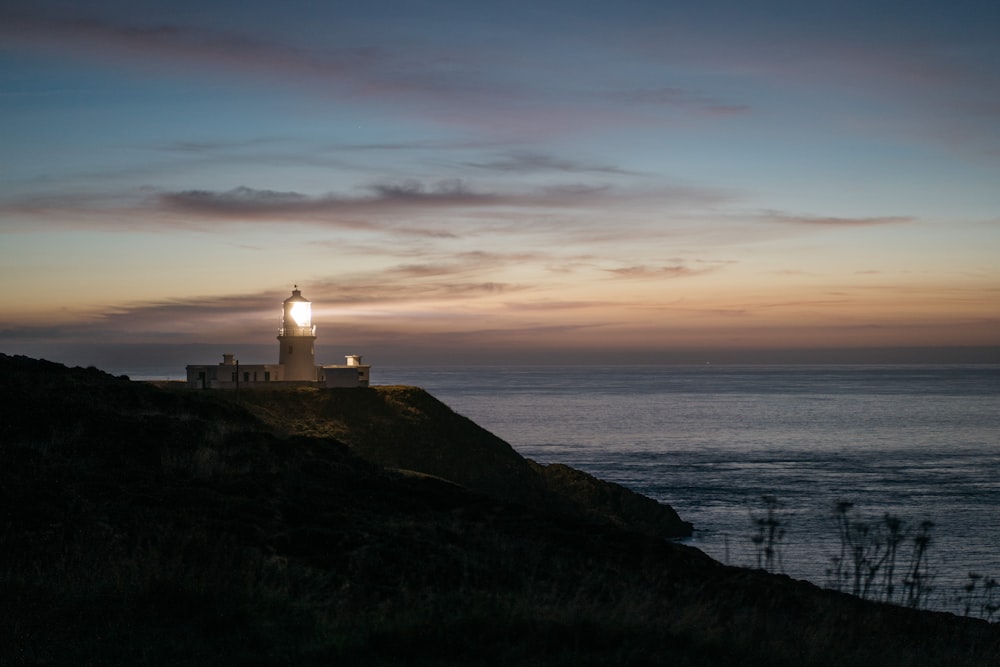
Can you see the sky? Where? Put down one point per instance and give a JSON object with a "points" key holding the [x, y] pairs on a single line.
{"points": [[517, 182]]}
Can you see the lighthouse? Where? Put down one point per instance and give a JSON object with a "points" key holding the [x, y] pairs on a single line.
{"points": [[296, 338], [296, 365]]}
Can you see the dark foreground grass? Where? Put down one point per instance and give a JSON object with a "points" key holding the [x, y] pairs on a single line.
{"points": [[142, 527]]}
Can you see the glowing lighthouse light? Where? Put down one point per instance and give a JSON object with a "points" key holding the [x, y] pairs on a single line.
{"points": [[295, 339], [301, 312]]}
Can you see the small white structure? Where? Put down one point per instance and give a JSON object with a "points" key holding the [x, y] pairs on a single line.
{"points": [[296, 359], [352, 374]]}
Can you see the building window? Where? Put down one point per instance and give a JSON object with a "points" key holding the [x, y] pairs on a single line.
{"points": [[289, 349], [246, 376], [267, 376]]}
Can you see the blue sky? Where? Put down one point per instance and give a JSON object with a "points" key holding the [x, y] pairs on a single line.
{"points": [[552, 179]]}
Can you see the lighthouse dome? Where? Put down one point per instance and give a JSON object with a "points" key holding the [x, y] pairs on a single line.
{"points": [[296, 296], [297, 315]]}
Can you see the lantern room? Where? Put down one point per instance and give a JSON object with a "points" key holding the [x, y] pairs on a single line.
{"points": [[296, 317]]}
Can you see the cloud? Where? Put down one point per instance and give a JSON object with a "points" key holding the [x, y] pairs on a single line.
{"points": [[830, 221], [442, 81], [531, 162], [442, 276], [444, 209], [512, 334], [243, 202], [242, 317], [645, 272], [447, 80], [422, 145], [446, 193], [214, 146], [677, 98], [176, 44], [459, 274], [169, 319], [553, 305]]}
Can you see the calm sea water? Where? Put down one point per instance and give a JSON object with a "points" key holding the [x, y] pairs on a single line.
{"points": [[919, 442]]}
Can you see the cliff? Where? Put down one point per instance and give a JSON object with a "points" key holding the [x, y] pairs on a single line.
{"points": [[140, 526], [407, 428]]}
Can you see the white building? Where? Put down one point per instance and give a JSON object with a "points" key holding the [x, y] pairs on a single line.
{"points": [[296, 359]]}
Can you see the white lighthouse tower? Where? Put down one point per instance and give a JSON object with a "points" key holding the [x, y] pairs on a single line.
{"points": [[296, 360], [296, 336]]}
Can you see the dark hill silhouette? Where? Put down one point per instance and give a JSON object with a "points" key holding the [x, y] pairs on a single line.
{"points": [[147, 527], [407, 428]]}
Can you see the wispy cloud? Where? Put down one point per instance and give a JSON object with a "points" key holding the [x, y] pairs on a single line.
{"points": [[423, 145], [831, 221], [449, 82], [243, 202], [435, 82], [214, 146], [448, 208], [553, 305], [677, 98], [164, 319], [180, 44], [415, 195], [250, 316], [531, 162], [646, 272]]}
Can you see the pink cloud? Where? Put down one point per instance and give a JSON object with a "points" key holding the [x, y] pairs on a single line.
{"points": [[645, 272]]}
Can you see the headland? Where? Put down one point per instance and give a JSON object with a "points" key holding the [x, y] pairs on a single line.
{"points": [[148, 525]]}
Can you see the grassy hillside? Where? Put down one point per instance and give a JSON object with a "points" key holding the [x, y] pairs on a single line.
{"points": [[147, 527], [407, 428]]}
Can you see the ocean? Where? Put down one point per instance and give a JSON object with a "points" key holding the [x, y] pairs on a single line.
{"points": [[921, 443]]}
